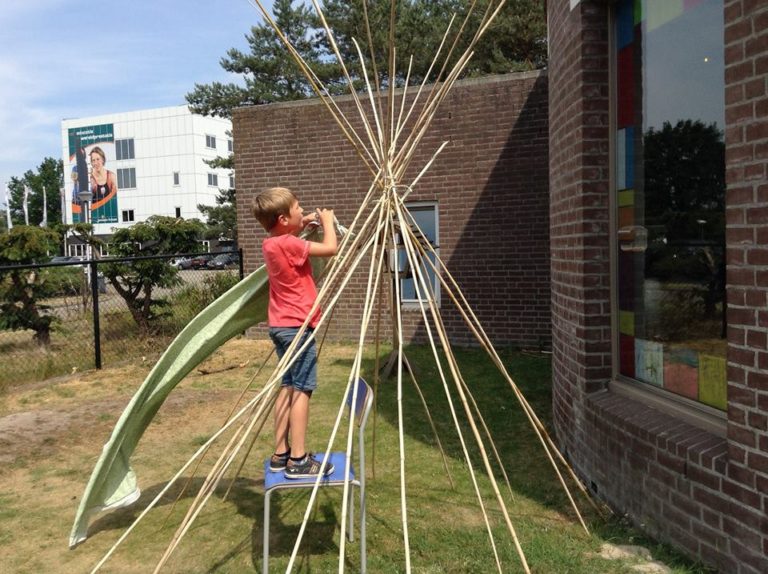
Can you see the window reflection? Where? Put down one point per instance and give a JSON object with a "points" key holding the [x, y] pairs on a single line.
{"points": [[671, 195]]}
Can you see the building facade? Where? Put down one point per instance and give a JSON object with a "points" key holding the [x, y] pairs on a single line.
{"points": [[141, 163], [659, 260], [483, 202]]}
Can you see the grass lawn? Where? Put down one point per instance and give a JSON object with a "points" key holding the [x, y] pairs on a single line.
{"points": [[51, 435]]}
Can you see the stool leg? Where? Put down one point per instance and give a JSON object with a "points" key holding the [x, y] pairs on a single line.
{"points": [[363, 556], [351, 525], [265, 559]]}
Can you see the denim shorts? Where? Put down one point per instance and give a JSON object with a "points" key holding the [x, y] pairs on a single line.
{"points": [[302, 375]]}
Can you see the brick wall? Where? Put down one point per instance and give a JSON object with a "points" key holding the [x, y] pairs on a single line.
{"points": [[746, 140], [490, 182], [579, 205], [704, 493]]}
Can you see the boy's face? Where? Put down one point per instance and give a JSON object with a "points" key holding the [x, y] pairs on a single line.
{"points": [[294, 217]]}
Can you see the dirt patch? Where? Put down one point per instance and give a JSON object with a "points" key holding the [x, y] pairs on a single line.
{"points": [[45, 416], [39, 432]]}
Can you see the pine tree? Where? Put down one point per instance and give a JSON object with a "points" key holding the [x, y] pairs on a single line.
{"points": [[269, 72]]}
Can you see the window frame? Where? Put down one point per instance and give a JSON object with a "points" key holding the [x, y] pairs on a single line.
{"points": [[176, 179], [131, 216], [693, 412], [415, 303], [213, 177], [131, 149], [121, 173], [210, 141]]}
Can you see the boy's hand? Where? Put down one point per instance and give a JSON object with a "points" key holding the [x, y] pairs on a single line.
{"points": [[326, 217], [309, 218], [329, 245]]}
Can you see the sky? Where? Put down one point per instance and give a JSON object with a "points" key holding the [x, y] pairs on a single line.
{"points": [[70, 58]]}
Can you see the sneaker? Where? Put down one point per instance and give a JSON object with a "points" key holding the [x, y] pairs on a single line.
{"points": [[308, 467], [278, 462]]}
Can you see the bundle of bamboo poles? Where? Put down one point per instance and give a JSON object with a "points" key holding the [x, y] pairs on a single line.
{"points": [[386, 145]]}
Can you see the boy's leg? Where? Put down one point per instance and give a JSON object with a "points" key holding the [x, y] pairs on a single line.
{"points": [[282, 407], [282, 419], [304, 375], [298, 421]]}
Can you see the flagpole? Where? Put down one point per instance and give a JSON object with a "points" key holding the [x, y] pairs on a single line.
{"points": [[44, 222], [26, 204], [8, 207]]}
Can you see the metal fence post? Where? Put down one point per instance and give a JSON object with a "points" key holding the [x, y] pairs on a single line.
{"points": [[95, 299], [240, 258]]}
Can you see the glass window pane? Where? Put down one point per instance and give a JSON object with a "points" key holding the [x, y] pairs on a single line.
{"points": [[425, 217], [670, 172]]}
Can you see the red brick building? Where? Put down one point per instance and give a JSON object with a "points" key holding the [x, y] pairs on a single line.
{"points": [[660, 393], [486, 195]]}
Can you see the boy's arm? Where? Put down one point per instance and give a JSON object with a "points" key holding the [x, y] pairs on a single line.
{"points": [[329, 246]]}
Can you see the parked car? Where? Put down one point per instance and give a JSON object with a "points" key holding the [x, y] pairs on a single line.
{"points": [[200, 261], [182, 263], [60, 259], [223, 261]]}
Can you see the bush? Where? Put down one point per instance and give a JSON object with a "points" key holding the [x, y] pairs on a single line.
{"points": [[63, 281], [192, 299]]}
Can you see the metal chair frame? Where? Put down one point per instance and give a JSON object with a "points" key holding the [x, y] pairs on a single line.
{"points": [[274, 481]]}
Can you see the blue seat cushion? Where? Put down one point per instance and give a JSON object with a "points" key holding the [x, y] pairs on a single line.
{"points": [[277, 479]]}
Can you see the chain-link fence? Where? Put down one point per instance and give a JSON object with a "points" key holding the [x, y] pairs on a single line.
{"points": [[58, 318]]}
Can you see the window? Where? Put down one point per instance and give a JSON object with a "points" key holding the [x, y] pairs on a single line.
{"points": [[206, 245], [175, 178], [178, 212], [670, 197], [128, 215], [230, 146], [126, 178], [124, 149], [210, 142], [425, 222], [231, 182], [213, 180], [77, 250]]}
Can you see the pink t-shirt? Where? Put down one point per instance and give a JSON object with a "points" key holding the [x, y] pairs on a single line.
{"points": [[292, 290]]}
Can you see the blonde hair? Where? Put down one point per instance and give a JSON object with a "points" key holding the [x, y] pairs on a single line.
{"points": [[270, 204]]}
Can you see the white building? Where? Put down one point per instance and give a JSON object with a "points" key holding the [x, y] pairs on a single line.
{"points": [[153, 165]]}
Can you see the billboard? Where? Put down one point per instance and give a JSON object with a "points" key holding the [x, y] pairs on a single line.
{"points": [[91, 149]]}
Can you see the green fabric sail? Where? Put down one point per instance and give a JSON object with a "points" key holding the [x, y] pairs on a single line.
{"points": [[113, 483]]}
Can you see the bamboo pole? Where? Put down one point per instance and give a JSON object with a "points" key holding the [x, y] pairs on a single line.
{"points": [[354, 373], [322, 92], [549, 446], [432, 425], [419, 284], [401, 442]]}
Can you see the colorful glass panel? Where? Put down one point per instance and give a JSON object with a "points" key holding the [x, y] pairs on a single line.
{"points": [[670, 172]]}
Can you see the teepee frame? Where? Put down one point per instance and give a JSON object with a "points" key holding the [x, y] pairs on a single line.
{"points": [[391, 133]]}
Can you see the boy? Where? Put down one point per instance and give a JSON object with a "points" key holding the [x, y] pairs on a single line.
{"points": [[292, 294]]}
